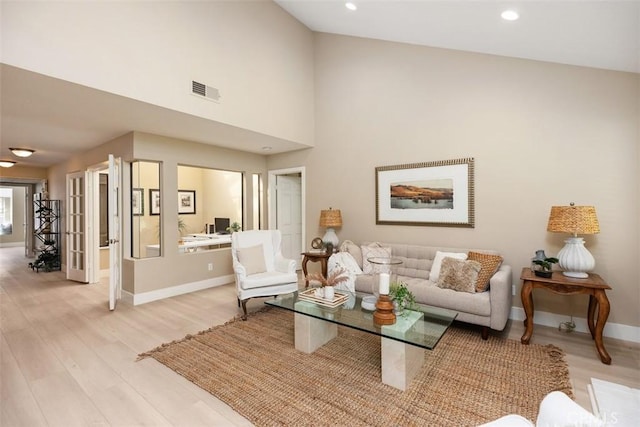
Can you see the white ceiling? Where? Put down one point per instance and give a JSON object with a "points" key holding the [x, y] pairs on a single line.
{"points": [[59, 118], [600, 34]]}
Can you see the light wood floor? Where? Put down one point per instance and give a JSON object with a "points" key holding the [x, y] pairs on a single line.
{"points": [[67, 360]]}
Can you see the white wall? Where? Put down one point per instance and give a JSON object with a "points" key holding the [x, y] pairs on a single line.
{"points": [[541, 134], [255, 53]]}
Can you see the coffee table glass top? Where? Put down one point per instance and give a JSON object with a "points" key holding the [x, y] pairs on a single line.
{"points": [[422, 327]]}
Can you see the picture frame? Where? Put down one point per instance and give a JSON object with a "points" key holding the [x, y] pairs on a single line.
{"points": [[154, 201], [439, 193], [186, 202], [137, 201]]}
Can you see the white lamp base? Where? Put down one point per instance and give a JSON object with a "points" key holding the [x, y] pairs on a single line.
{"points": [[575, 259], [331, 237]]}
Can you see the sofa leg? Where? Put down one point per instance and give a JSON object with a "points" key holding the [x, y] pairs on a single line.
{"points": [[244, 309], [484, 333]]}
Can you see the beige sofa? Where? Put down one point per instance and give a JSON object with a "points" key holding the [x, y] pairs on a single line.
{"points": [[489, 309]]}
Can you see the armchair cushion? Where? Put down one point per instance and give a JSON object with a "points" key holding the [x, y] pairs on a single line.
{"points": [[252, 258], [267, 278]]}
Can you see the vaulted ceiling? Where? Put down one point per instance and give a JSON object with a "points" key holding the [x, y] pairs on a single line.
{"points": [[59, 118]]}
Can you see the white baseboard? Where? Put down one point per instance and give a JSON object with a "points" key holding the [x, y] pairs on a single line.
{"points": [[612, 330], [11, 244], [145, 297]]}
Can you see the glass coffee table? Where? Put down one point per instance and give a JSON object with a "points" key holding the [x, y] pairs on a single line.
{"points": [[402, 345]]}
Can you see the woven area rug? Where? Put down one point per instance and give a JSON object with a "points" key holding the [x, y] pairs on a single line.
{"points": [[254, 368]]}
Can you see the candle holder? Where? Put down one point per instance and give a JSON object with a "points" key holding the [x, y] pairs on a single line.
{"points": [[384, 311]]}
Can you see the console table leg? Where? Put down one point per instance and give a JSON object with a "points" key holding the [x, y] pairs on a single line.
{"points": [[591, 315], [527, 303], [603, 314]]}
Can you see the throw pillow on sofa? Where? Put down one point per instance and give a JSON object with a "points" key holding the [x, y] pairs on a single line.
{"points": [[374, 250], [437, 262], [490, 264], [459, 275]]}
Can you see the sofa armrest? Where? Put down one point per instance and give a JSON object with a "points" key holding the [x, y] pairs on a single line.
{"points": [[501, 297], [285, 265]]}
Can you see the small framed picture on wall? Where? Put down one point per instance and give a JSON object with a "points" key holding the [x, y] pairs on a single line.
{"points": [[186, 201], [137, 201], [154, 202]]}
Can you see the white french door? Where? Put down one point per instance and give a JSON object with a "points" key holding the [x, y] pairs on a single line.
{"points": [[115, 233], [77, 238]]}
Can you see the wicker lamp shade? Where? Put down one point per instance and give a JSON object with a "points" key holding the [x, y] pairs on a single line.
{"points": [[573, 219], [330, 218]]}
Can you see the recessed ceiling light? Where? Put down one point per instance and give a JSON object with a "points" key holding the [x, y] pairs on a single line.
{"points": [[22, 152], [7, 163], [510, 15], [350, 5]]}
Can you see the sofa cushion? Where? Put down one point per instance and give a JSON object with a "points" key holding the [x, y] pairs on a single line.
{"points": [[437, 262], [459, 275], [252, 258], [428, 293], [490, 264], [371, 251]]}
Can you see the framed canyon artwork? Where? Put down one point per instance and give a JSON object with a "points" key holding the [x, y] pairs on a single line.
{"points": [[439, 193]]}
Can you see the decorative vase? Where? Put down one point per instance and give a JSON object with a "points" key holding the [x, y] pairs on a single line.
{"points": [[398, 309], [329, 293], [540, 256], [319, 292]]}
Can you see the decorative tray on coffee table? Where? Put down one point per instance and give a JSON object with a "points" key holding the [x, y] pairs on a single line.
{"points": [[309, 295]]}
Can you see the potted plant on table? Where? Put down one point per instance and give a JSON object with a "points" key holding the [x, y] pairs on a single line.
{"points": [[544, 266], [334, 278], [403, 299], [234, 227]]}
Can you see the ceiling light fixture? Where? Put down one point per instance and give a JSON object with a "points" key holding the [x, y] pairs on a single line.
{"points": [[267, 148], [7, 163], [510, 15], [350, 5], [22, 152]]}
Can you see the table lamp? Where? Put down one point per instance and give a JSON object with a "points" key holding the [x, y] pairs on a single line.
{"points": [[330, 218], [574, 258]]}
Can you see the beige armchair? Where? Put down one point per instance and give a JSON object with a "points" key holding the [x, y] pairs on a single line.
{"points": [[259, 267]]}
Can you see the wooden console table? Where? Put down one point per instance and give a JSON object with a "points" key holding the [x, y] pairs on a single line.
{"points": [[321, 257], [560, 284]]}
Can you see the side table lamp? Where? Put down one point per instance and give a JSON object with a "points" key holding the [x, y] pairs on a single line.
{"points": [[330, 218], [574, 258]]}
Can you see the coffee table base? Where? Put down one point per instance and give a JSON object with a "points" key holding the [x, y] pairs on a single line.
{"points": [[400, 362], [312, 333]]}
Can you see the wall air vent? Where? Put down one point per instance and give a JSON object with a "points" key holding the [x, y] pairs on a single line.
{"points": [[208, 92]]}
